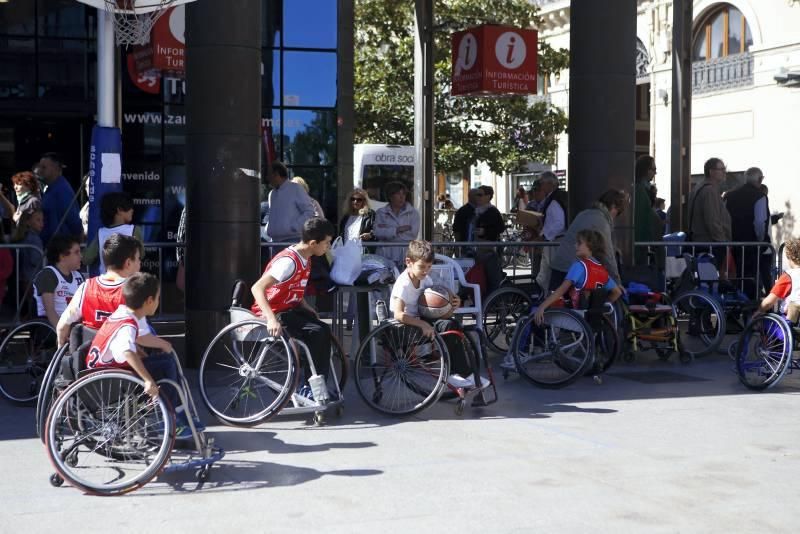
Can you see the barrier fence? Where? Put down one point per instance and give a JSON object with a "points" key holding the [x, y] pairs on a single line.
{"points": [[519, 261]]}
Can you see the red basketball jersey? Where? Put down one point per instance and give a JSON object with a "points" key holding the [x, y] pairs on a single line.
{"points": [[103, 337], [288, 294], [100, 299], [596, 277]]}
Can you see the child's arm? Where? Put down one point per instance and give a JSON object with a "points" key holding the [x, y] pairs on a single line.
{"points": [[152, 341], [767, 304], [259, 291], [614, 294], [554, 296], [399, 311], [135, 361], [50, 309], [71, 315]]}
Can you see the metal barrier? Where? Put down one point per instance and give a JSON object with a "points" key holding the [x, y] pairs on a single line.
{"points": [[21, 294], [753, 260]]}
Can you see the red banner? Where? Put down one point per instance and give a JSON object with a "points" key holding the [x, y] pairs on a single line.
{"points": [[494, 60]]}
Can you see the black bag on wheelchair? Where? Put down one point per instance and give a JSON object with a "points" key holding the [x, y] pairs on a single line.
{"points": [[74, 362]]}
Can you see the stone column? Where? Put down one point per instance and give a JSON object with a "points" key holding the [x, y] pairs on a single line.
{"points": [[223, 160], [602, 105]]}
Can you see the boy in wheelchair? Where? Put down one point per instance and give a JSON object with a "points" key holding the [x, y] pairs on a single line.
{"points": [[404, 305], [278, 296], [56, 284], [98, 297], [116, 345], [585, 275], [787, 287]]}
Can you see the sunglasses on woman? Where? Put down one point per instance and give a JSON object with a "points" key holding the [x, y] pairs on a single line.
{"points": [[356, 199]]}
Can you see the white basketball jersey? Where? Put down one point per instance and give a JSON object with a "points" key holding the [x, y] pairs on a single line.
{"points": [[104, 233], [63, 293], [794, 294]]}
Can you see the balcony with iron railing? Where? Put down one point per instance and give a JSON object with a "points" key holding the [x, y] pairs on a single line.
{"points": [[721, 74]]}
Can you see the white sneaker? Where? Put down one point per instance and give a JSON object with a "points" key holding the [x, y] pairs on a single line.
{"points": [[458, 381], [484, 381], [508, 362]]}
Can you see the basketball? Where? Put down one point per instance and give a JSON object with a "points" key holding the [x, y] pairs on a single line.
{"points": [[434, 303]]}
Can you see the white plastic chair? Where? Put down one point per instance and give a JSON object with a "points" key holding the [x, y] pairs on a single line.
{"points": [[448, 272]]}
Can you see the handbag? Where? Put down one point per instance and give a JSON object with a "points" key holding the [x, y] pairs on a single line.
{"points": [[346, 261]]}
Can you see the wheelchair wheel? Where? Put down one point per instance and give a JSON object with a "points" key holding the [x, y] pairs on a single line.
{"points": [[398, 371], [50, 390], [247, 376], [556, 353], [337, 378], [24, 356], [764, 351], [607, 344], [701, 322], [106, 436], [503, 310]]}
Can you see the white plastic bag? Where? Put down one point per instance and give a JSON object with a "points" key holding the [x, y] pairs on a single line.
{"points": [[346, 261]]}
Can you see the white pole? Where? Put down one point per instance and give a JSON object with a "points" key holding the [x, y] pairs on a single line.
{"points": [[106, 50]]}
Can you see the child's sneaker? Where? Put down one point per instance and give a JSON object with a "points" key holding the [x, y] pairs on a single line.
{"points": [[458, 381], [484, 381], [305, 391]]}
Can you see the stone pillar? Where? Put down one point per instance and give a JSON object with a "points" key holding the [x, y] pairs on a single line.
{"points": [[602, 106], [223, 115]]}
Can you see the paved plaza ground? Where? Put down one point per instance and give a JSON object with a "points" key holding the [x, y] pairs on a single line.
{"points": [[658, 447]]}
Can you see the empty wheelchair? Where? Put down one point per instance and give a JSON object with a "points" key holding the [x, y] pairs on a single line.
{"points": [[25, 353], [105, 436], [247, 376], [399, 371], [765, 351]]}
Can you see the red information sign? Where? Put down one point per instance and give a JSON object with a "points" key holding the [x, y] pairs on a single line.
{"points": [[494, 60], [166, 50]]}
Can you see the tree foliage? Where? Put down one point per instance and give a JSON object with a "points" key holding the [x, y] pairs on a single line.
{"points": [[505, 132]]}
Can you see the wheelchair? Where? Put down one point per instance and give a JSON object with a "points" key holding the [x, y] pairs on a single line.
{"points": [[765, 351], [105, 436], [398, 371], [502, 312], [569, 343], [25, 352], [651, 322], [248, 376]]}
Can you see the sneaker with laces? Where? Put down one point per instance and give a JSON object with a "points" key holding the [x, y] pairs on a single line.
{"points": [[458, 381], [305, 391]]}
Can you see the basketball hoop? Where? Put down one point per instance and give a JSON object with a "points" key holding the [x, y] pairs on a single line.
{"points": [[134, 19]]}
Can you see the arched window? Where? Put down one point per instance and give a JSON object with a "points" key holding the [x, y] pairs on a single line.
{"points": [[723, 32]]}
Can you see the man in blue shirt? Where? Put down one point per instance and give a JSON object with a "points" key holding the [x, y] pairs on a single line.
{"points": [[59, 204]]}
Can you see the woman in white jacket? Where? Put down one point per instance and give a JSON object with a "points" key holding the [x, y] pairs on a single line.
{"points": [[398, 221]]}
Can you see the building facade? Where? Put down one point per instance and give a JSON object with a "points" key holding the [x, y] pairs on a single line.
{"points": [[48, 102], [745, 91]]}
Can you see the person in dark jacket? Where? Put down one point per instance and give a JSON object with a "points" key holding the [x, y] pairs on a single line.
{"points": [[750, 220], [481, 221]]}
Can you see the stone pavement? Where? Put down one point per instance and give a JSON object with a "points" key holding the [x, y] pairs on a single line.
{"points": [[658, 447]]}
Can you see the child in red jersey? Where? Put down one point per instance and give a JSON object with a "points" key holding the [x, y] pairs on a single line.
{"points": [[787, 287], [116, 344], [279, 294], [100, 296], [584, 275]]}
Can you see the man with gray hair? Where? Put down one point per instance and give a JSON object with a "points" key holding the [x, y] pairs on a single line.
{"points": [[554, 223], [749, 212]]}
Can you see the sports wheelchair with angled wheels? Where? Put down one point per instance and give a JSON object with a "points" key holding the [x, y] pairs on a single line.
{"points": [[25, 353], [399, 371], [105, 436], [766, 350], [247, 376]]}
